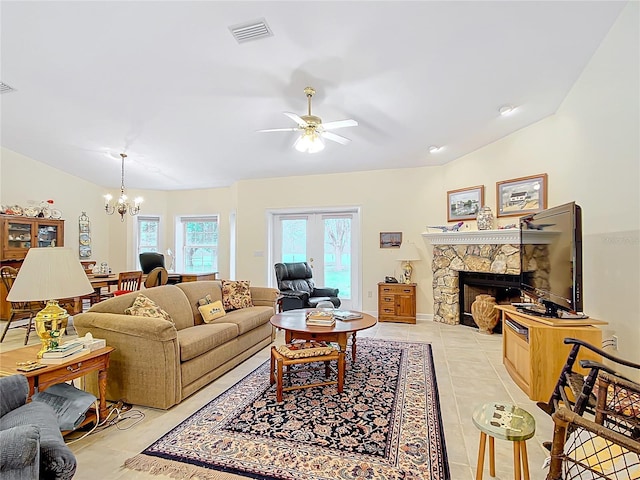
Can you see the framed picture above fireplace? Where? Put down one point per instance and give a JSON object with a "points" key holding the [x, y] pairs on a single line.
{"points": [[465, 203], [521, 196]]}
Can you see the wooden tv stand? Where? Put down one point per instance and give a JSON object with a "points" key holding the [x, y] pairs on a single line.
{"points": [[533, 351]]}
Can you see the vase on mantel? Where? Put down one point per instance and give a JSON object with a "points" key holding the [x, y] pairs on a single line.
{"points": [[484, 218], [484, 313]]}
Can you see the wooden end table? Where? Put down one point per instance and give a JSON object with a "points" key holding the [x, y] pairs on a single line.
{"points": [[41, 379]]}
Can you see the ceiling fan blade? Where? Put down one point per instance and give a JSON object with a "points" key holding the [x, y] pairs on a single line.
{"points": [[293, 129], [339, 124], [296, 118], [335, 137]]}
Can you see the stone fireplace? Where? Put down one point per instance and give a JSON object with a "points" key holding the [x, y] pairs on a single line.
{"points": [[492, 255]]}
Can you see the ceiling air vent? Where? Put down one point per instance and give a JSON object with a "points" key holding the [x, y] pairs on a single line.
{"points": [[249, 31], [4, 88]]}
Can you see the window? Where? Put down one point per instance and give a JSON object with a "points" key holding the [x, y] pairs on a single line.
{"points": [[148, 234], [198, 244]]}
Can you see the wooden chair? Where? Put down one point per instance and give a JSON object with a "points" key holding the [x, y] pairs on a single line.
{"points": [[127, 282], [88, 266], [156, 277], [576, 391], [19, 310]]}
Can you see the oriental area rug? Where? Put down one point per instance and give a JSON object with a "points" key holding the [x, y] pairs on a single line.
{"points": [[385, 425]]}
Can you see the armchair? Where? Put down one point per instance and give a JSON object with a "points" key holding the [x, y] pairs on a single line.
{"points": [[298, 290], [31, 445]]}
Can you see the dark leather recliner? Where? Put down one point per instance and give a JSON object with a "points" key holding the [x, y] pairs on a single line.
{"points": [[297, 288]]}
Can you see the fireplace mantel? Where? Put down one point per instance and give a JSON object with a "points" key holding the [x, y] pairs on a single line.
{"points": [[487, 237]]}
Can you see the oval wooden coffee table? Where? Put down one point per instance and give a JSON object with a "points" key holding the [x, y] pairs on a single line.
{"points": [[294, 324]]}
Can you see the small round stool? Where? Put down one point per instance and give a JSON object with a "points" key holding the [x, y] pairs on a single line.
{"points": [[507, 422]]}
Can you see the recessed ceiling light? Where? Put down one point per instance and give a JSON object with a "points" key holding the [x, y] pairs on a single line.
{"points": [[435, 149], [507, 110]]}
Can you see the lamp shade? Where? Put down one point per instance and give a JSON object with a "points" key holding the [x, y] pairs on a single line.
{"points": [[49, 273], [408, 252]]}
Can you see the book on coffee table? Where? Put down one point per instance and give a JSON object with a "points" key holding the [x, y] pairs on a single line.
{"points": [[57, 361], [63, 350], [346, 315], [320, 318]]}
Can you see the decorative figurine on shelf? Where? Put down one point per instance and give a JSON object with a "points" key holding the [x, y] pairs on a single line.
{"points": [[536, 226], [507, 227], [447, 228], [45, 208]]}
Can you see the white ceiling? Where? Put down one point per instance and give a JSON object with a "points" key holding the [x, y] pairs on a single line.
{"points": [[168, 84]]}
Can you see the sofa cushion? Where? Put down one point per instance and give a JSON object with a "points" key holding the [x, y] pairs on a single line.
{"points": [[171, 298], [200, 339], [248, 318], [145, 307], [236, 294]]}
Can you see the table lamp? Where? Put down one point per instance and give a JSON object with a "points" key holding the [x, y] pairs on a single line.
{"points": [[408, 253], [49, 274]]}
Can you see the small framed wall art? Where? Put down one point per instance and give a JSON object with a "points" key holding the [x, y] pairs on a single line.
{"points": [[464, 203], [521, 196], [390, 239]]}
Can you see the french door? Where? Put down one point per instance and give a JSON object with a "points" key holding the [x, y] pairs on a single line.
{"points": [[328, 242]]}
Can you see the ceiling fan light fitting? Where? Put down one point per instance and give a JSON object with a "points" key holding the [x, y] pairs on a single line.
{"points": [[311, 119], [309, 142], [313, 131]]}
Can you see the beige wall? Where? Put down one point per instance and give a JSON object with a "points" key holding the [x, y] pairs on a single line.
{"points": [[589, 149], [23, 180]]}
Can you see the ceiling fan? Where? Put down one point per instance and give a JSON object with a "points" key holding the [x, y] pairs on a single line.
{"points": [[313, 131]]}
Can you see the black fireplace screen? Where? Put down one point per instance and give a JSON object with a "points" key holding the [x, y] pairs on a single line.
{"points": [[505, 288]]}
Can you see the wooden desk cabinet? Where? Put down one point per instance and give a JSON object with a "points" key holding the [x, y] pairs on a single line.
{"points": [[397, 302], [533, 351], [19, 234]]}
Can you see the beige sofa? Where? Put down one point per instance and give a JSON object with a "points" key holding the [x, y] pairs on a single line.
{"points": [[158, 363]]}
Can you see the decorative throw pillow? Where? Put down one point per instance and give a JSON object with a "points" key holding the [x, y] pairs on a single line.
{"points": [[206, 300], [304, 349], [236, 294], [145, 307], [211, 311]]}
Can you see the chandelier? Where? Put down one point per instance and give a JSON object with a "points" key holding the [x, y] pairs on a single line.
{"points": [[122, 205]]}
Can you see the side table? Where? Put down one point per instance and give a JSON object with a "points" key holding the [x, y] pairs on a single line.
{"points": [[507, 422], [41, 379]]}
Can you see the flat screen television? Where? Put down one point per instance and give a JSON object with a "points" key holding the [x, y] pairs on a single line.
{"points": [[551, 259]]}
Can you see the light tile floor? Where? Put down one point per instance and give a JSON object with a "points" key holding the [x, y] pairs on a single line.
{"points": [[469, 372]]}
